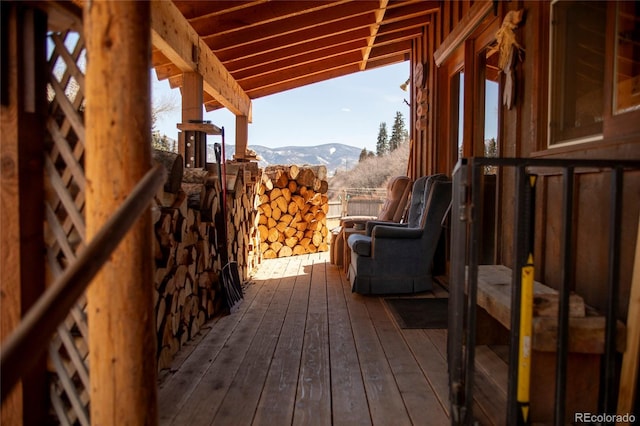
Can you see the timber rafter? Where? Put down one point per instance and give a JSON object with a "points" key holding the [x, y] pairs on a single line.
{"points": [[258, 48], [178, 41]]}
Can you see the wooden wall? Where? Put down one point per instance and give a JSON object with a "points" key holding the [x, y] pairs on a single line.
{"points": [[522, 132]]}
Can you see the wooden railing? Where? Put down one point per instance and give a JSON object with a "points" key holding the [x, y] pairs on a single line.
{"points": [[27, 342]]}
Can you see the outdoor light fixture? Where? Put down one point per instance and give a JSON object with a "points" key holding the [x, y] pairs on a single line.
{"points": [[404, 85]]}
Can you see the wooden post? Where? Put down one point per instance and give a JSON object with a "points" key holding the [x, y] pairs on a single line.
{"points": [[192, 99], [631, 356], [122, 347], [22, 117], [242, 135]]}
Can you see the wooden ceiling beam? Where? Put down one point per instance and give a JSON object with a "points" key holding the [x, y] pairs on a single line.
{"points": [[197, 9], [268, 63], [417, 22], [286, 64], [251, 59], [387, 60], [262, 14], [176, 39], [298, 38], [281, 86], [391, 49], [373, 29], [158, 58], [278, 87], [300, 71], [397, 36], [341, 18], [412, 10], [166, 71]]}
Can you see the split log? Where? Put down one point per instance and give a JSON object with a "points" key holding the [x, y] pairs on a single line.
{"points": [[293, 172], [195, 175], [292, 215], [188, 257], [174, 165]]}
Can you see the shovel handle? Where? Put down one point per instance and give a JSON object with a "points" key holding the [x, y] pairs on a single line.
{"points": [[216, 149]]}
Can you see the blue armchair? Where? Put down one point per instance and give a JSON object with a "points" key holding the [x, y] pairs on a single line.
{"points": [[397, 258]]}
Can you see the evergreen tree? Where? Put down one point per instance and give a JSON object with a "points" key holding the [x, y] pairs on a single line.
{"points": [[491, 151], [160, 142], [364, 154], [398, 132], [382, 146], [490, 148]]}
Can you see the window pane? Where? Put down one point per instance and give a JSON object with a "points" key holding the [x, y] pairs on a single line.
{"points": [[460, 113], [627, 88], [491, 107], [577, 73]]}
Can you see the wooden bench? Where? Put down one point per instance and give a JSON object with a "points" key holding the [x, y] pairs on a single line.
{"points": [[586, 341], [586, 325]]}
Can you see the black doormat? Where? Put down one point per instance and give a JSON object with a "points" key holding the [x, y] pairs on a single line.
{"points": [[419, 312]]}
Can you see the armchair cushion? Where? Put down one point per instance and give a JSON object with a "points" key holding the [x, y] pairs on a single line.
{"points": [[361, 244]]}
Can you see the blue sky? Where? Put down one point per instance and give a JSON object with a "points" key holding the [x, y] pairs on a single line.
{"points": [[345, 110]]}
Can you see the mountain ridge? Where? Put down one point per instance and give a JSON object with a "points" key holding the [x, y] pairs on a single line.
{"points": [[332, 155]]}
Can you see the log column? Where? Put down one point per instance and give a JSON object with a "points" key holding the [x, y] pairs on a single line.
{"points": [[192, 99], [22, 118], [242, 135], [122, 347]]}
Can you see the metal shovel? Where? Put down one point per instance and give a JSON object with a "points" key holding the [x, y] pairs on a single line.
{"points": [[232, 286]]}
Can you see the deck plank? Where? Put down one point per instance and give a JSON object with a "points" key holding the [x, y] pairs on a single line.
{"points": [[278, 396], [247, 385], [176, 389], [313, 400], [304, 349], [385, 402], [349, 400], [432, 363], [418, 396], [205, 400]]}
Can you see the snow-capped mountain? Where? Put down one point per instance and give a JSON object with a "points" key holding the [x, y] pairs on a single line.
{"points": [[334, 156]]}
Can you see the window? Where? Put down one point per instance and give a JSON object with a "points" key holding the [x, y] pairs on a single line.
{"points": [[457, 96], [627, 59], [491, 103], [577, 71]]}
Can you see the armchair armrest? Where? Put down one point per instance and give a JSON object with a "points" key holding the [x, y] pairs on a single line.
{"points": [[349, 221], [395, 232], [373, 223]]}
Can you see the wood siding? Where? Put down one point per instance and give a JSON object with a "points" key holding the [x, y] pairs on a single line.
{"points": [[522, 132]]}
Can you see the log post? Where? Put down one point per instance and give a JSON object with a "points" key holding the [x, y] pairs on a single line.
{"points": [[192, 98], [122, 347], [242, 136], [22, 118]]}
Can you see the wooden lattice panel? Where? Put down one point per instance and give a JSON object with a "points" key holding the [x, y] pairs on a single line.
{"points": [[64, 225]]}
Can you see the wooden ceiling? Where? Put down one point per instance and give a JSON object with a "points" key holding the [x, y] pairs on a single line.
{"points": [[264, 47]]}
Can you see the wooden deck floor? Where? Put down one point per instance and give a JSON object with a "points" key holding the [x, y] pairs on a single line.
{"points": [[303, 349]]}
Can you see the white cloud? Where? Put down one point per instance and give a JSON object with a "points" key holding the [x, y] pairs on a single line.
{"points": [[345, 109]]}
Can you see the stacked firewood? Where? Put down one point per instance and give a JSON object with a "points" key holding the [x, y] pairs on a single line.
{"points": [[188, 243], [242, 219], [292, 206]]}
